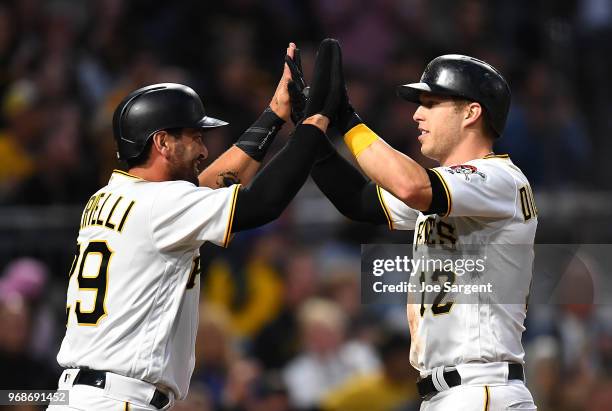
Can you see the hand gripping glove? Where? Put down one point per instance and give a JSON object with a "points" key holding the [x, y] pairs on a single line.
{"points": [[298, 91]]}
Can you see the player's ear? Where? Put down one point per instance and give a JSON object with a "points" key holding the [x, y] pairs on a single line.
{"points": [[160, 142], [471, 113]]}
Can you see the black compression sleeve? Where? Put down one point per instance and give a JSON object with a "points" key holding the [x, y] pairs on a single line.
{"points": [[279, 181], [348, 190]]}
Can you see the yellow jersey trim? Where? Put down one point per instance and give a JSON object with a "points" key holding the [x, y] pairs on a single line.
{"points": [[384, 207], [487, 398], [125, 173], [496, 156], [359, 138], [228, 229], [449, 199]]}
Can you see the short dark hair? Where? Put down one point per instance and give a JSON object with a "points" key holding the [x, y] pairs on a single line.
{"points": [[487, 127], [145, 154], [486, 123]]}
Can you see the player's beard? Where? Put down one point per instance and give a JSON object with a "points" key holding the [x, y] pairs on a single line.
{"points": [[184, 167]]}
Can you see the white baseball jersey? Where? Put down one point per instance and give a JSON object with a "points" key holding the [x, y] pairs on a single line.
{"points": [[490, 205], [133, 291]]}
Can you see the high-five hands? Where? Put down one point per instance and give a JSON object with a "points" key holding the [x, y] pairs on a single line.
{"points": [[298, 91], [329, 95]]}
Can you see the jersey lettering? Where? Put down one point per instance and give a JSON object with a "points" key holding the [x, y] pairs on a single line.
{"points": [[435, 231], [195, 270], [93, 214]]}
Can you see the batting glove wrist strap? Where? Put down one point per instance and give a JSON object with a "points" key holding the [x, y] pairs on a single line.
{"points": [[256, 140], [348, 119]]}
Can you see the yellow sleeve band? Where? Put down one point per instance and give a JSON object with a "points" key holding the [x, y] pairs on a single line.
{"points": [[359, 138]]}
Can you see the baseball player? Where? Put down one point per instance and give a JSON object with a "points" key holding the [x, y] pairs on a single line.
{"points": [[469, 356], [133, 293]]}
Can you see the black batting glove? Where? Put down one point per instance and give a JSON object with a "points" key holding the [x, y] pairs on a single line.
{"points": [[325, 94], [347, 117]]}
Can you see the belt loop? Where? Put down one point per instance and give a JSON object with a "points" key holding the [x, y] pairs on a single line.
{"points": [[437, 377]]}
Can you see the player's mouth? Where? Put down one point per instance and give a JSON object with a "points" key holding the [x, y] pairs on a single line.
{"points": [[199, 164], [423, 133]]}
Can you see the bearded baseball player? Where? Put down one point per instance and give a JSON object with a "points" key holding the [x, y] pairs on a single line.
{"points": [[469, 356], [133, 293]]}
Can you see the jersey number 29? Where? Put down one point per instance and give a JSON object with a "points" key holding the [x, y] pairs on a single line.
{"points": [[89, 282]]}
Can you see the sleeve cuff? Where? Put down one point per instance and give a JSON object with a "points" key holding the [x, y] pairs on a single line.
{"points": [[441, 202], [228, 230], [384, 207]]}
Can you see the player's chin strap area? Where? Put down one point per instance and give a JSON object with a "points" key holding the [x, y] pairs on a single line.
{"points": [[116, 386], [491, 373]]}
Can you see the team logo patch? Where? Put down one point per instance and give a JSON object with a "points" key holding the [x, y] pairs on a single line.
{"points": [[467, 171]]}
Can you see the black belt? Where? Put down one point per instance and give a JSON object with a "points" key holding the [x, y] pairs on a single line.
{"points": [[98, 379], [427, 389]]}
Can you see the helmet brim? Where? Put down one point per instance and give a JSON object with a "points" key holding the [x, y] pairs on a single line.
{"points": [[210, 122], [412, 92]]}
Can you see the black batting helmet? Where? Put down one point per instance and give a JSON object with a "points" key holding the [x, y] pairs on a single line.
{"points": [[154, 108], [465, 77]]}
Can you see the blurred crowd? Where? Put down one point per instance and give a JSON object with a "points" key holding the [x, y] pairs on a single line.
{"points": [[65, 64], [282, 326]]}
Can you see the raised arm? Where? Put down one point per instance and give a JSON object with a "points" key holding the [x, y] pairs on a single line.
{"points": [[277, 183], [390, 169], [240, 162], [349, 191]]}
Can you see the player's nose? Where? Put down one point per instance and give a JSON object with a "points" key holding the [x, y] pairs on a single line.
{"points": [[419, 114], [201, 146]]}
